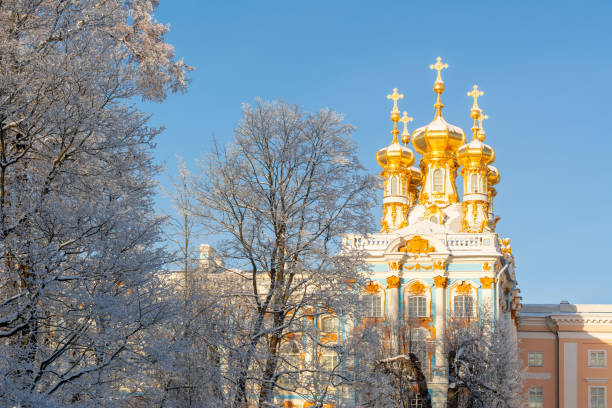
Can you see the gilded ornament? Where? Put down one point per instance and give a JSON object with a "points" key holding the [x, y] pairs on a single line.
{"points": [[464, 288], [487, 282], [486, 266], [416, 245], [439, 265], [394, 266], [393, 282], [440, 281], [416, 288], [418, 267], [372, 287]]}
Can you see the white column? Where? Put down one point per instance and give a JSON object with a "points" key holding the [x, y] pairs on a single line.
{"points": [[570, 375], [487, 295], [439, 383], [393, 317]]}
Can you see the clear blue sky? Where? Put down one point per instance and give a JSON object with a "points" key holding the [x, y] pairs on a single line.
{"points": [[545, 68]]}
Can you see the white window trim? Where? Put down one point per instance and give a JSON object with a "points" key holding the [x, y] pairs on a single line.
{"points": [[538, 387], [539, 352], [605, 365], [605, 394]]}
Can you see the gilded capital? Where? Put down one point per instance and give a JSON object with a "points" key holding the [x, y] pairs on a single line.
{"points": [[393, 282], [440, 281], [487, 282]]}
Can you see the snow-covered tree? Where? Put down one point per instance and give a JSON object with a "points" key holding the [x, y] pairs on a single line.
{"points": [[80, 242], [277, 200], [484, 367]]}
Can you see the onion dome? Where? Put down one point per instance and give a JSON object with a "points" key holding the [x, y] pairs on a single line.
{"points": [[395, 156], [493, 176], [439, 136], [476, 152]]}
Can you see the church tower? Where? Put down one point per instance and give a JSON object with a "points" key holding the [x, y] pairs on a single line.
{"points": [[437, 258], [400, 180]]}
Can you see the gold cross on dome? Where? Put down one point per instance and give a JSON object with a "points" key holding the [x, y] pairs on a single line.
{"points": [[438, 66], [405, 120], [395, 96], [475, 94], [481, 118]]}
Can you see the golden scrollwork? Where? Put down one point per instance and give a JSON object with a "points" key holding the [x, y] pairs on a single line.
{"points": [[416, 245], [487, 282], [394, 265], [418, 267], [393, 282], [416, 288], [372, 287], [486, 266], [440, 281], [464, 288]]}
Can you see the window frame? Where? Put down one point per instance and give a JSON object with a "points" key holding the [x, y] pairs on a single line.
{"points": [[464, 315], [541, 394], [370, 305], [530, 353], [605, 359], [605, 395], [436, 171], [328, 318], [417, 298]]}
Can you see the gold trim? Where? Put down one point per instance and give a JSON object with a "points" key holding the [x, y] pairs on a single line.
{"points": [[440, 281], [487, 282], [416, 245], [393, 282]]}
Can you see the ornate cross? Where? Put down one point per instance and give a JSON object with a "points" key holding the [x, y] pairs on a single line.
{"points": [[405, 134], [438, 66], [395, 97], [475, 94], [481, 118]]}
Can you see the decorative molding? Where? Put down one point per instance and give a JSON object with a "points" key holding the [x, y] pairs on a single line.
{"points": [[418, 267], [416, 288], [372, 287], [439, 265], [393, 282], [464, 288], [537, 376], [486, 266], [487, 282], [395, 266], [440, 281], [596, 380], [416, 245]]}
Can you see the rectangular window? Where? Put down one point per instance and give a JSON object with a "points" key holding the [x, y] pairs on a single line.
{"points": [[597, 397], [464, 306], [417, 306], [597, 358], [535, 359], [372, 305], [536, 397], [329, 363]]}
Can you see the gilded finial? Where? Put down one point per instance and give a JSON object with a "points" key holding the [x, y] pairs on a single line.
{"points": [[438, 66], [481, 132], [475, 94], [438, 85], [405, 134], [395, 112], [475, 112]]}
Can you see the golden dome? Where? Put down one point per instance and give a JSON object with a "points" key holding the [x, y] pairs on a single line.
{"points": [[395, 156], [493, 176], [439, 136], [476, 152]]}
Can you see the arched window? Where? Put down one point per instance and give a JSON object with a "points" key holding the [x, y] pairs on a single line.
{"points": [[417, 345], [394, 185], [372, 305], [329, 324], [291, 363], [474, 184], [438, 181], [463, 306], [416, 307]]}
